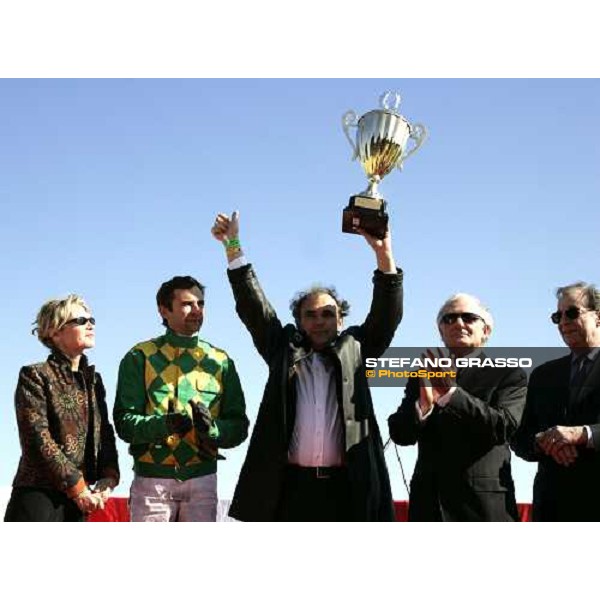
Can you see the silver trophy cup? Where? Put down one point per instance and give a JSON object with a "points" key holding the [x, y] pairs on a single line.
{"points": [[381, 144]]}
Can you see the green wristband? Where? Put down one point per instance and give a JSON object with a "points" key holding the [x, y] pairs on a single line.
{"points": [[232, 244]]}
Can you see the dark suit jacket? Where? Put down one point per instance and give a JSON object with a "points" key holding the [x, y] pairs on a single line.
{"points": [[463, 467], [562, 493]]}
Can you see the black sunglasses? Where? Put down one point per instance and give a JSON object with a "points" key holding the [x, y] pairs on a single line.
{"points": [[81, 321], [467, 317], [571, 314]]}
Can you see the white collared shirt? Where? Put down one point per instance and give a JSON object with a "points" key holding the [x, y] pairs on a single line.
{"points": [[317, 436], [317, 439]]}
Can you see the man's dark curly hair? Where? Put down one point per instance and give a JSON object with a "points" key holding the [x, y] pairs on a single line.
{"points": [[300, 297], [166, 292]]}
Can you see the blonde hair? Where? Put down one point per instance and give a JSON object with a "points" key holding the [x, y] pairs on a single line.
{"points": [[53, 316]]}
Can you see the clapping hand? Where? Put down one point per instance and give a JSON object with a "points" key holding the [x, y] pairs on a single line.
{"points": [[431, 389]]}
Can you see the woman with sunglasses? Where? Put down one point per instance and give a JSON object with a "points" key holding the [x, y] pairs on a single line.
{"points": [[67, 442]]}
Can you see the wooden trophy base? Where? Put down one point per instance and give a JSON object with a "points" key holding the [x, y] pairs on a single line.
{"points": [[365, 213]]}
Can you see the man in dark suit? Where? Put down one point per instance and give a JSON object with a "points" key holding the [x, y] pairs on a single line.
{"points": [[561, 422], [462, 427]]}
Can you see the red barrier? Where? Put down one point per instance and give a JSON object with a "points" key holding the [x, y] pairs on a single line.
{"points": [[524, 512], [117, 510]]}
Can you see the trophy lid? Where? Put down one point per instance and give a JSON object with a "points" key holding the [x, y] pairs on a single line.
{"points": [[390, 104]]}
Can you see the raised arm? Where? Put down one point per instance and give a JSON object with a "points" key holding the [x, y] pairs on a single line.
{"points": [[383, 250], [251, 304], [385, 313]]}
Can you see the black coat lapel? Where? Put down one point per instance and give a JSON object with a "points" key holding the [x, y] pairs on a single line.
{"points": [[591, 382]]}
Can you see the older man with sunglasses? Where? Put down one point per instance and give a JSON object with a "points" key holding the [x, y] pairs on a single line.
{"points": [[561, 422], [462, 426]]}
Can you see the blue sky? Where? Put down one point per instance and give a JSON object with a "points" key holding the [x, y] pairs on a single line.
{"points": [[109, 187]]}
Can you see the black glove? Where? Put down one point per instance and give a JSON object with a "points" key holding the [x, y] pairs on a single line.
{"points": [[207, 446], [202, 418], [179, 423]]}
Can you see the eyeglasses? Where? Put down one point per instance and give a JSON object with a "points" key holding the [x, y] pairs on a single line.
{"points": [[570, 313], [467, 317], [81, 321]]}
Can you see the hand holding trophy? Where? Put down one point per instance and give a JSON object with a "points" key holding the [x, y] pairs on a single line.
{"points": [[381, 144]]}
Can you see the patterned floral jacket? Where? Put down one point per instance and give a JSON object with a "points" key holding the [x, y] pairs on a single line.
{"points": [[54, 406]]}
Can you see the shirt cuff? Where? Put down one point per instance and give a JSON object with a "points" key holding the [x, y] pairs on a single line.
{"points": [[422, 417], [238, 262], [443, 400], [590, 439]]}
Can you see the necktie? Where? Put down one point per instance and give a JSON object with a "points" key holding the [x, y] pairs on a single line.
{"points": [[457, 370], [581, 371]]}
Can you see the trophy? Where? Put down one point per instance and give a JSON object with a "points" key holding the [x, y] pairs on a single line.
{"points": [[381, 144]]}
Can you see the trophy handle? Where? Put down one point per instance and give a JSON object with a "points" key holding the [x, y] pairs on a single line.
{"points": [[418, 134], [350, 120]]}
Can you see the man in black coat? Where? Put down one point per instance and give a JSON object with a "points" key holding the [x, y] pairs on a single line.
{"points": [[462, 426], [561, 423], [316, 452]]}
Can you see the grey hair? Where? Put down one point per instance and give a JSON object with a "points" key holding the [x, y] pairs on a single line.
{"points": [[484, 311], [590, 293]]}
